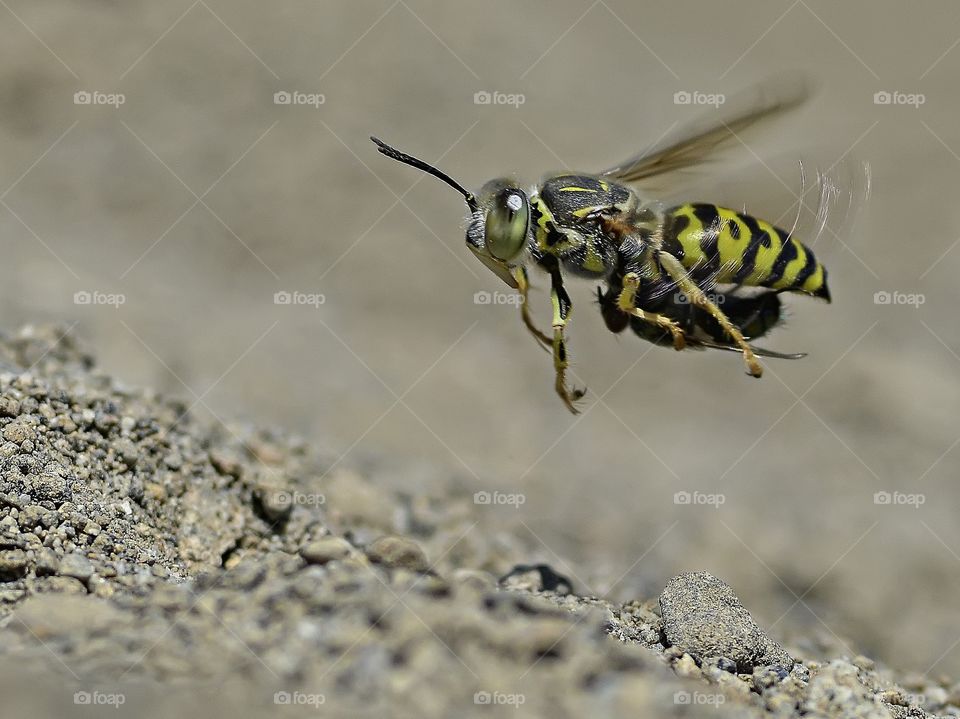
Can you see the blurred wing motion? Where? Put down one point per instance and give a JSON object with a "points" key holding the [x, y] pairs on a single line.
{"points": [[690, 145], [745, 263]]}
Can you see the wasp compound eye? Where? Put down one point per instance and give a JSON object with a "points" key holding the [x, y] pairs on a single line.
{"points": [[508, 219]]}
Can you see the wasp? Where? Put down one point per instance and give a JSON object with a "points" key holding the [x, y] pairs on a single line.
{"points": [[690, 275]]}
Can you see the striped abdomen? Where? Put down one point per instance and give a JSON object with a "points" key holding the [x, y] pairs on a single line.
{"points": [[740, 249]]}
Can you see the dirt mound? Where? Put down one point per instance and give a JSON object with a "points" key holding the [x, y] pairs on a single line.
{"points": [[153, 563]]}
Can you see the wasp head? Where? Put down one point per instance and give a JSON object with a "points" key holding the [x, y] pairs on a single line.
{"points": [[498, 221]]}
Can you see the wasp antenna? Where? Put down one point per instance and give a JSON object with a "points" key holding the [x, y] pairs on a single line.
{"points": [[395, 154]]}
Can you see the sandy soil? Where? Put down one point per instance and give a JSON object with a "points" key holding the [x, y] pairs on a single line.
{"points": [[150, 563]]}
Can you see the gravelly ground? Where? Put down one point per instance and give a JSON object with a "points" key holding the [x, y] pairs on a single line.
{"points": [[150, 561]]}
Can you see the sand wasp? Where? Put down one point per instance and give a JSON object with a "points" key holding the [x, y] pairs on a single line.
{"points": [[684, 275]]}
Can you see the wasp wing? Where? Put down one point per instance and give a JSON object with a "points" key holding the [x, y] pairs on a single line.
{"points": [[689, 145]]}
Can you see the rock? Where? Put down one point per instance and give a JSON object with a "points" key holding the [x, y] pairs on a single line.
{"points": [[47, 562], [275, 502], [9, 407], [702, 616], [13, 564], [327, 549], [398, 552], [18, 432], [536, 578], [76, 566]]}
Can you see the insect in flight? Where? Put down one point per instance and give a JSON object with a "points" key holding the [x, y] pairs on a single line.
{"points": [[689, 275]]}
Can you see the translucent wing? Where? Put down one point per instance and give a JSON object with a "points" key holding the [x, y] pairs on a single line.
{"points": [[690, 144]]}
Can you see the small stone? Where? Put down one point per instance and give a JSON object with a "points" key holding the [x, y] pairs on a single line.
{"points": [[9, 407], [702, 616], [13, 564], [76, 566], [727, 665], [276, 503], [686, 667], [30, 516], [327, 549], [18, 432], [128, 452], [47, 562], [92, 529], [225, 463], [398, 552], [536, 578]]}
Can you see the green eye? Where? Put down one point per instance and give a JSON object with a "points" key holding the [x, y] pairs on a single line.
{"points": [[506, 227]]}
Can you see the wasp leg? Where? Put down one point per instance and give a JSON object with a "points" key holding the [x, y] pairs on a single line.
{"points": [[690, 288], [523, 287], [561, 311], [625, 302]]}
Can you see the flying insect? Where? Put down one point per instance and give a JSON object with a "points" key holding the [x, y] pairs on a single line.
{"points": [[690, 275]]}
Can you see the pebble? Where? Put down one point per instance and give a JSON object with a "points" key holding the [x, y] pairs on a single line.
{"points": [[536, 578], [327, 549], [18, 432], [13, 564], [398, 552], [702, 616], [47, 562], [76, 566], [275, 502]]}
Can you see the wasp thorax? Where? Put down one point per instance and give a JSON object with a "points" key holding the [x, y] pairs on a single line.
{"points": [[507, 219]]}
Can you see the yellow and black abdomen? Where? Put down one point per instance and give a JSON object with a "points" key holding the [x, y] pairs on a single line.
{"points": [[739, 249]]}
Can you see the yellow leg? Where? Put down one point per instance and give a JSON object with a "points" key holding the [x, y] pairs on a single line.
{"points": [[561, 312], [523, 287], [690, 288], [625, 302]]}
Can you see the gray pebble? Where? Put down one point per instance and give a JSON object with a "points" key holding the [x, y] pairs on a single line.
{"points": [[327, 549], [47, 562], [398, 552], [702, 616], [76, 566]]}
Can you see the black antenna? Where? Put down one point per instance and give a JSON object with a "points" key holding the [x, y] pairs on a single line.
{"points": [[406, 159]]}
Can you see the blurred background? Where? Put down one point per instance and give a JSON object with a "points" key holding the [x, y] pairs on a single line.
{"points": [[168, 168]]}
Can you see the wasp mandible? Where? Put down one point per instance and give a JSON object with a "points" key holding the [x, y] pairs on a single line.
{"points": [[690, 275]]}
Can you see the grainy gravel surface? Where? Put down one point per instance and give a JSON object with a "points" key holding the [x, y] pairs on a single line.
{"points": [[153, 566]]}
